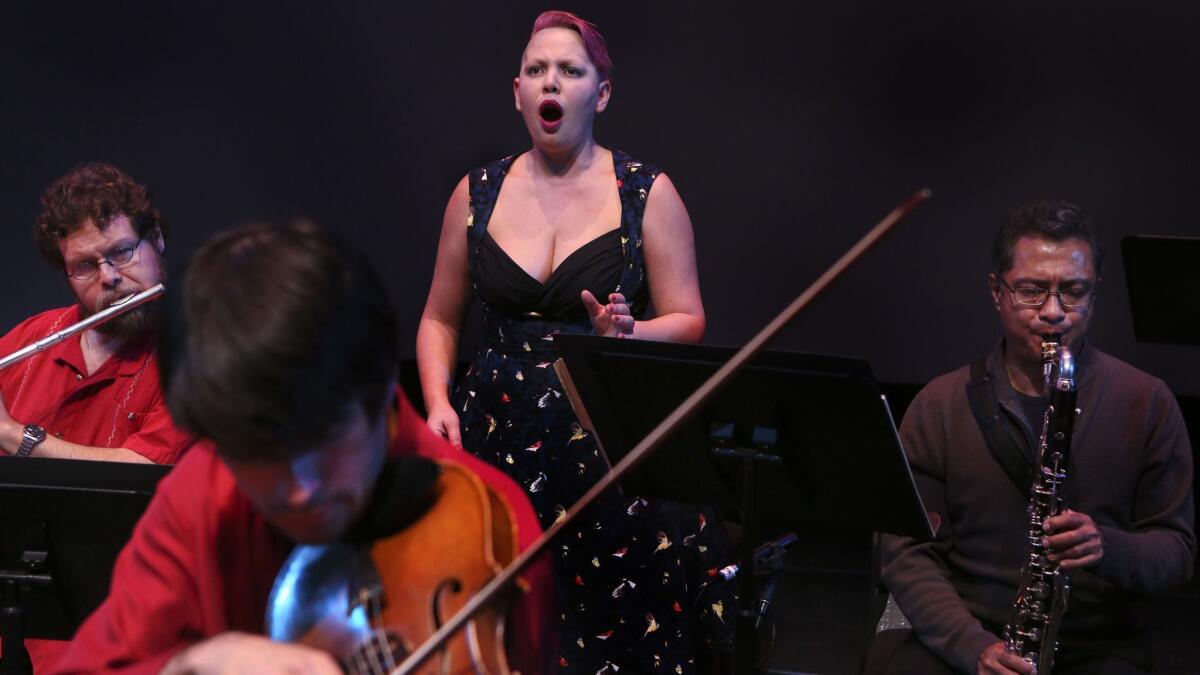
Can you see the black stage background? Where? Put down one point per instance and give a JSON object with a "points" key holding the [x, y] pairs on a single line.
{"points": [[789, 130]]}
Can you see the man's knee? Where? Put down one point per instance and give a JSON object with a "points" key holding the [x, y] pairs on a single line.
{"points": [[900, 652]]}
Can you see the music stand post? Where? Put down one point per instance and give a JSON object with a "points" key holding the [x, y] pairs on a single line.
{"points": [[30, 576], [750, 460], [818, 425], [62, 524]]}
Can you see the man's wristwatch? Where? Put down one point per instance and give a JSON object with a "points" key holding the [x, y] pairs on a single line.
{"points": [[30, 438]]}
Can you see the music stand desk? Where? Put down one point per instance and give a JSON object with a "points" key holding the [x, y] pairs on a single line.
{"points": [[801, 438], [843, 466], [62, 524], [1164, 287]]}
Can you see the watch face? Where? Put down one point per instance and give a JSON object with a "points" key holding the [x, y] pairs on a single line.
{"points": [[30, 438]]}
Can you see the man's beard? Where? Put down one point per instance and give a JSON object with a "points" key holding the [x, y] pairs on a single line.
{"points": [[134, 323], [131, 325]]}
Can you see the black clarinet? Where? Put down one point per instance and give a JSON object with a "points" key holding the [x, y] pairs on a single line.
{"points": [[1041, 602]]}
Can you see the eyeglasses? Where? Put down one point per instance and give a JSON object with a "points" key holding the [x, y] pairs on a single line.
{"points": [[118, 257], [1036, 296]]}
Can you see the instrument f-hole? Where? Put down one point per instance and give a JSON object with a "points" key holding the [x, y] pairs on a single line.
{"points": [[449, 585]]}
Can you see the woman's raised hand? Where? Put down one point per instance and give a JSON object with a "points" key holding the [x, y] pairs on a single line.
{"points": [[611, 320]]}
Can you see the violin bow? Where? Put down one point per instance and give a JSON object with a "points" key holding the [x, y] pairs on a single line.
{"points": [[660, 433]]}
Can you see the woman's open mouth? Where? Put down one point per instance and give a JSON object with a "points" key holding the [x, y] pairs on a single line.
{"points": [[550, 113]]}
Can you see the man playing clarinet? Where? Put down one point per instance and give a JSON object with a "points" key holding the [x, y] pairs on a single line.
{"points": [[973, 438]]}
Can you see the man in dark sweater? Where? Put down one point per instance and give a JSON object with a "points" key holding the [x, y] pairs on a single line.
{"points": [[1128, 529]]}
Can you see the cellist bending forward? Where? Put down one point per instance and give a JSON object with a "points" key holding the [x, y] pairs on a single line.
{"points": [[280, 353]]}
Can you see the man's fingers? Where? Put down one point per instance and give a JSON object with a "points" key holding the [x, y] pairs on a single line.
{"points": [[1015, 663], [1078, 563], [1067, 520], [1066, 540]]}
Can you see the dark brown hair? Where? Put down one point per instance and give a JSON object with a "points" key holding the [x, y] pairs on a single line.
{"points": [[271, 337], [93, 192]]}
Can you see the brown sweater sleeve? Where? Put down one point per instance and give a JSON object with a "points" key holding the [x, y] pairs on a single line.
{"points": [[915, 572], [1158, 548]]}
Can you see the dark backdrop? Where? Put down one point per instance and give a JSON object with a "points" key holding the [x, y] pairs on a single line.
{"points": [[789, 129]]}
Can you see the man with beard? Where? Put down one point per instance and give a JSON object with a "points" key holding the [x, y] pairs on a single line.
{"points": [[95, 395]]}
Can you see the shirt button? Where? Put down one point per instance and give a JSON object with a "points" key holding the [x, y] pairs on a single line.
{"points": [[78, 376]]}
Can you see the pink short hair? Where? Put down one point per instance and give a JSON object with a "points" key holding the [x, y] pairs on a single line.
{"points": [[593, 41]]}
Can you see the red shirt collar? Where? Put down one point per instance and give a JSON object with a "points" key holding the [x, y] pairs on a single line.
{"points": [[130, 359]]}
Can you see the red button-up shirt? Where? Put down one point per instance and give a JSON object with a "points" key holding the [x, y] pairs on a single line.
{"points": [[118, 406]]}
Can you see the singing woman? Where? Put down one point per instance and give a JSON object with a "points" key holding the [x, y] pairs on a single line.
{"points": [[569, 237]]}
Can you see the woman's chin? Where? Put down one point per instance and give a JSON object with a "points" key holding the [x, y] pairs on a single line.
{"points": [[552, 136]]}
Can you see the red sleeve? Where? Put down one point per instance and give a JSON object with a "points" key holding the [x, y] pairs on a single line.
{"points": [[156, 604], [530, 630], [159, 440]]}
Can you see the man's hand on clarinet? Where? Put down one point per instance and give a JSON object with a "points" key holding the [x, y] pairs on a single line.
{"points": [[1073, 540], [996, 660]]}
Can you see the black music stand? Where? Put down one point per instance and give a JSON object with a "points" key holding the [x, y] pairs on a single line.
{"points": [[62, 524], [803, 438], [1164, 287]]}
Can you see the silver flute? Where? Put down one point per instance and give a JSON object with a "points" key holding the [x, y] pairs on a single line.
{"points": [[107, 314]]}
